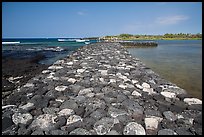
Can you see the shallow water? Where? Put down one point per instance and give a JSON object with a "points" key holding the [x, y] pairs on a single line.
{"points": [[179, 61]]}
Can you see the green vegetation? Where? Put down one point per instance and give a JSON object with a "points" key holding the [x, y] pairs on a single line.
{"points": [[167, 36]]}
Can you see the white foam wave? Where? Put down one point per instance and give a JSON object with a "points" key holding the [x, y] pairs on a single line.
{"points": [[15, 42], [54, 49]]}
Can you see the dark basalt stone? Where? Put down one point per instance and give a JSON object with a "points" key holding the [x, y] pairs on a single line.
{"points": [[88, 123], [6, 122], [80, 111], [183, 131], [24, 131]]}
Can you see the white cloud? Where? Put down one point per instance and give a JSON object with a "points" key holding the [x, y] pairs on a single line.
{"points": [[169, 20], [81, 13]]}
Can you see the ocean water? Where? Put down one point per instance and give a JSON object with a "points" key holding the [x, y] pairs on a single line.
{"points": [[179, 61], [51, 48]]}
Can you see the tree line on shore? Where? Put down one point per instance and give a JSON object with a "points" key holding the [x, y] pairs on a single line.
{"points": [[154, 37]]}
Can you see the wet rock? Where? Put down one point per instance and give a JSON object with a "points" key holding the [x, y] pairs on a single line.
{"points": [[134, 128]]}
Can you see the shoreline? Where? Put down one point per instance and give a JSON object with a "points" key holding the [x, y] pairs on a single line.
{"points": [[101, 85], [16, 72]]}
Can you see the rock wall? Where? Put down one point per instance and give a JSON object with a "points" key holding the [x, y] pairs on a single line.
{"points": [[100, 90], [138, 44]]}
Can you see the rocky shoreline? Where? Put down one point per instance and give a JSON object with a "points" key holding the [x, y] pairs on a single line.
{"points": [[138, 44], [17, 71], [100, 90]]}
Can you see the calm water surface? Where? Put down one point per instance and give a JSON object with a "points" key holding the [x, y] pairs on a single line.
{"points": [[179, 61]]}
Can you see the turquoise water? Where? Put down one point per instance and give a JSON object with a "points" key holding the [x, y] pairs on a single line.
{"points": [[50, 48], [179, 61]]}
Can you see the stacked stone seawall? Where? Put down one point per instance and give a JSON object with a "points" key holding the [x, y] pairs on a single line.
{"points": [[101, 89]]}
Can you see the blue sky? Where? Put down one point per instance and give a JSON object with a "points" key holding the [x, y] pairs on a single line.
{"points": [[86, 19]]}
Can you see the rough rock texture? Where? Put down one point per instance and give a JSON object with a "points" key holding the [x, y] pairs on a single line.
{"points": [[100, 89]]}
